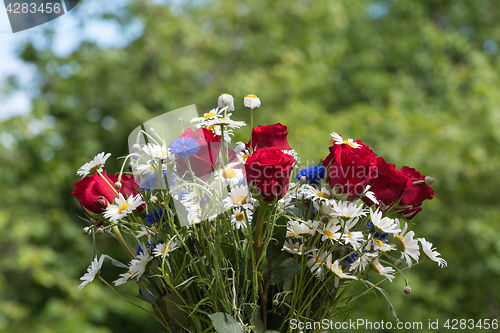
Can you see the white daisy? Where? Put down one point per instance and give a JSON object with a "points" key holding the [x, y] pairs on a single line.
{"points": [[156, 151], [251, 101], [431, 253], [384, 271], [226, 100], [223, 121], [92, 271], [212, 114], [145, 231], [310, 192], [149, 168], [239, 220], [355, 238], [345, 209], [164, 249], [229, 175], [407, 245], [383, 224], [370, 195], [243, 155], [293, 247], [363, 260], [296, 228], [121, 207], [138, 266], [240, 146], [93, 166], [294, 154], [239, 196], [337, 270], [330, 232], [317, 263], [125, 277], [339, 140], [378, 245]]}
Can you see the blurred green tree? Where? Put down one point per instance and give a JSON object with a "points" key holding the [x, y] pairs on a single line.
{"points": [[415, 80]]}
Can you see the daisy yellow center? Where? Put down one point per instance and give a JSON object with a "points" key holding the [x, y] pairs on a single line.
{"points": [[229, 174], [209, 115], [126, 206], [348, 143], [224, 94], [225, 119], [211, 127], [319, 261], [400, 245], [323, 195], [292, 234], [166, 250], [376, 268], [154, 229], [251, 96], [346, 217], [240, 199], [295, 249], [95, 168], [340, 269], [379, 242], [348, 234], [240, 217], [129, 272], [163, 153], [328, 233]]}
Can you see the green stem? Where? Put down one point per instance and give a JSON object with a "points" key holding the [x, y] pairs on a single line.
{"points": [[258, 248], [122, 242]]}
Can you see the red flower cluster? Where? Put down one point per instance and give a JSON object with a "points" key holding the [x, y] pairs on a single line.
{"points": [[268, 169], [351, 169], [94, 194]]}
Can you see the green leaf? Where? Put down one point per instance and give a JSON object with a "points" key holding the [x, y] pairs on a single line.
{"points": [[229, 252], [285, 270], [279, 235], [256, 321], [224, 323], [174, 312]]}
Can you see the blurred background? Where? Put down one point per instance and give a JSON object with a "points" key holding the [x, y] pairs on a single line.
{"points": [[417, 81]]}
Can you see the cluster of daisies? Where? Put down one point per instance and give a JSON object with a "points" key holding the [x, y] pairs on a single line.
{"points": [[347, 236]]}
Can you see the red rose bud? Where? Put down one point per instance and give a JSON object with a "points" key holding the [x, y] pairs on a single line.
{"points": [[202, 163], [389, 184], [270, 136], [350, 169], [93, 193], [414, 195], [268, 170]]}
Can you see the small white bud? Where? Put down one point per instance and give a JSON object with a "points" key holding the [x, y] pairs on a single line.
{"points": [[226, 100], [154, 199], [251, 101], [407, 290], [87, 231], [118, 185], [429, 180], [99, 231], [398, 262]]}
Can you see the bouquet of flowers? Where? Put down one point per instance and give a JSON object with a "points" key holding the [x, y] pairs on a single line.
{"points": [[237, 238]]}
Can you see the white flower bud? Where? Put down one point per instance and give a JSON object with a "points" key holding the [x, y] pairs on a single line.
{"points": [[407, 290], [154, 199], [136, 148], [275, 302], [99, 231], [87, 231], [180, 120], [118, 185], [398, 262], [251, 101], [226, 100], [429, 180]]}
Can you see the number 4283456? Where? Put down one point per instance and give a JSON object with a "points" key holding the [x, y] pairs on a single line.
{"points": [[24, 8]]}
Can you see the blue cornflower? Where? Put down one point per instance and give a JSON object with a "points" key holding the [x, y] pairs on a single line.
{"points": [[312, 174], [149, 182], [382, 236], [350, 259], [139, 250], [184, 147], [150, 218]]}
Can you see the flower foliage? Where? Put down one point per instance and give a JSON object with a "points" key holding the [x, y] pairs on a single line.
{"points": [[213, 232]]}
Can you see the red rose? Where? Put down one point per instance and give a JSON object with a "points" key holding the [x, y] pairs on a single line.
{"points": [[389, 184], [202, 163], [270, 136], [350, 169], [128, 184], [268, 170], [93, 193], [413, 196]]}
